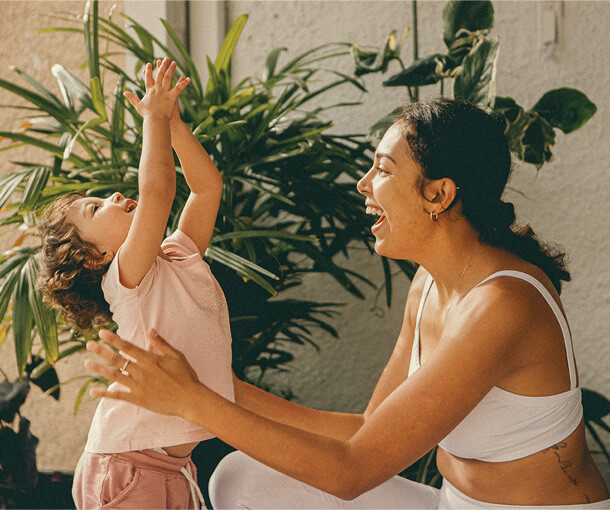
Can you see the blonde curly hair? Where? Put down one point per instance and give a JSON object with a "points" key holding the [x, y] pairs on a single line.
{"points": [[71, 269]]}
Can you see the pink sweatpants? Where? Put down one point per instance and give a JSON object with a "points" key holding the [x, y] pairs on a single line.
{"points": [[139, 479]]}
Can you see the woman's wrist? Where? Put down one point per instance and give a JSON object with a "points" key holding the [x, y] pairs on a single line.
{"points": [[194, 397]]}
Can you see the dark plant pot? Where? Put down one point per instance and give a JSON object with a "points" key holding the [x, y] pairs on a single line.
{"points": [[54, 490]]}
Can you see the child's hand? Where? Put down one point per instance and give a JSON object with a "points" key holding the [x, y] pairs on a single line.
{"points": [[160, 99]]}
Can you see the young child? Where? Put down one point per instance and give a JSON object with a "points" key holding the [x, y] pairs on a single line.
{"points": [[106, 258]]}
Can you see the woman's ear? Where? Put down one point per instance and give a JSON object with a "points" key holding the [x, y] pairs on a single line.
{"points": [[441, 192], [448, 193]]}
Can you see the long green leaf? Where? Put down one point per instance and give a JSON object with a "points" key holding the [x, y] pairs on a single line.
{"points": [[97, 96], [42, 103], [22, 321], [49, 147], [10, 185], [46, 93], [73, 85], [89, 124], [117, 124], [6, 291], [36, 183], [90, 29], [43, 317], [228, 46], [188, 61]]}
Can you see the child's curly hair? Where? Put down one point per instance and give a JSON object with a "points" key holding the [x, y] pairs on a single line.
{"points": [[71, 269]]}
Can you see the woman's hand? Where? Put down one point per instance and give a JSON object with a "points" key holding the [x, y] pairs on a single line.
{"points": [[163, 382]]}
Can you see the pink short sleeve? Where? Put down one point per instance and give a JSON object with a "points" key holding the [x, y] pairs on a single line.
{"points": [[179, 246]]}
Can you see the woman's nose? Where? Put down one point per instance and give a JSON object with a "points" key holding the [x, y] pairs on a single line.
{"points": [[363, 184]]}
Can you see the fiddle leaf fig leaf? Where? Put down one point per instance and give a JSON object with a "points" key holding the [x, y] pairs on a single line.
{"points": [[475, 81], [565, 108], [508, 107], [423, 71], [530, 138], [471, 16]]}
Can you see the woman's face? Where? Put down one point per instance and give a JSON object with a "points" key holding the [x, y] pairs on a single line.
{"points": [[391, 192]]}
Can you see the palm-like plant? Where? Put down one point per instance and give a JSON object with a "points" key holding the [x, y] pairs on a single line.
{"points": [[289, 203]]}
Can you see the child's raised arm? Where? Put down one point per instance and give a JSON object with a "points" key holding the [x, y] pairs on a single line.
{"points": [[205, 182], [157, 179]]}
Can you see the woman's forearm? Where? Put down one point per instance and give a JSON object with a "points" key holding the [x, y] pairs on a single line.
{"points": [[317, 460], [325, 423]]}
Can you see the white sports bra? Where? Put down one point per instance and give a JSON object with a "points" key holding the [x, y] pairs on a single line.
{"points": [[506, 426]]}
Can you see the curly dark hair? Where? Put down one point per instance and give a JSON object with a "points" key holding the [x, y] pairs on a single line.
{"points": [[71, 269]]}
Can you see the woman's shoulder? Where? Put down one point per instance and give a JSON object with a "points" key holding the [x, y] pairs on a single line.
{"points": [[518, 302]]}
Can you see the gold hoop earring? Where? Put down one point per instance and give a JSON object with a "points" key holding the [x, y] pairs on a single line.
{"points": [[433, 216]]}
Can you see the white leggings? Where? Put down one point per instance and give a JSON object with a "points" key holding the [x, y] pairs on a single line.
{"points": [[241, 482]]}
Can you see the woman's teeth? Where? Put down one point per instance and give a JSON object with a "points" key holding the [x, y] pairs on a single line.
{"points": [[374, 211]]}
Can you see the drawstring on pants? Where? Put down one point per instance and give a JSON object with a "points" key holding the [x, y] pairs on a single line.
{"points": [[188, 474], [195, 490]]}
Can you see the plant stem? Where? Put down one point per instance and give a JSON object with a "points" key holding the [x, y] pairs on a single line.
{"points": [[415, 45]]}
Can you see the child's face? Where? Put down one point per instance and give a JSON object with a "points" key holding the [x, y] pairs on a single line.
{"points": [[103, 222]]}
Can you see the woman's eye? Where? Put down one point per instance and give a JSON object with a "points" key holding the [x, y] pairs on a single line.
{"points": [[382, 170], [95, 208]]}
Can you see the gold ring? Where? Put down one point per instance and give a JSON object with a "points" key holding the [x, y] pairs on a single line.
{"points": [[127, 362]]}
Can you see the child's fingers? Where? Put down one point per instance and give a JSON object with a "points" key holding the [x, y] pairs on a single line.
{"points": [[132, 98], [162, 70], [182, 83], [167, 79], [148, 76]]}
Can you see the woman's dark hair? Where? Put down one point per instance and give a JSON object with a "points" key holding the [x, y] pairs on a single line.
{"points": [[458, 140], [71, 269]]}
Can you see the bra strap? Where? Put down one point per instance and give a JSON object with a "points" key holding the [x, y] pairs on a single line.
{"points": [[563, 323], [414, 363]]}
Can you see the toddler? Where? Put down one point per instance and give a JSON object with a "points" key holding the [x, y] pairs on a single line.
{"points": [[106, 258]]}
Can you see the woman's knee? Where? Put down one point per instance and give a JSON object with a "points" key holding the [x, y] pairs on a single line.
{"points": [[231, 479]]}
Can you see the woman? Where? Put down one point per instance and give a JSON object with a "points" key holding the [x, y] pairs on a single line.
{"points": [[483, 365]]}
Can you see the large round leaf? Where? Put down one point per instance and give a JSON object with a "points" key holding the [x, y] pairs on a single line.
{"points": [[471, 16], [565, 108]]}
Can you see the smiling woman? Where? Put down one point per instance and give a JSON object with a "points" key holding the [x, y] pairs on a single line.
{"points": [[483, 365]]}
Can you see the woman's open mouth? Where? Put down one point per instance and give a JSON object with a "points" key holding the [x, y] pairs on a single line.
{"points": [[374, 211]]}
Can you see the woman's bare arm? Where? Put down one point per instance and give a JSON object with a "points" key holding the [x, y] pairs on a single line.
{"points": [[405, 425], [326, 423]]}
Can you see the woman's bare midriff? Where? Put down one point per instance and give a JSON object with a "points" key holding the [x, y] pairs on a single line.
{"points": [[180, 450], [563, 474]]}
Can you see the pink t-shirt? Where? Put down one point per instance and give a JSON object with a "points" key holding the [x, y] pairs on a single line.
{"points": [[182, 300]]}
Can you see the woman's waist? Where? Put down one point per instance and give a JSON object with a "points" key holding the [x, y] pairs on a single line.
{"points": [[562, 474]]}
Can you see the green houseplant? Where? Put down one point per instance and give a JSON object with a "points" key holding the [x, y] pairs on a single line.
{"points": [[289, 185]]}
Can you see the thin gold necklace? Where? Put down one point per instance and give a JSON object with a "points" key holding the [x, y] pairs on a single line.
{"points": [[457, 288]]}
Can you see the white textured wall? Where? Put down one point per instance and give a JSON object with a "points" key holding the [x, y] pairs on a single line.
{"points": [[566, 202]]}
